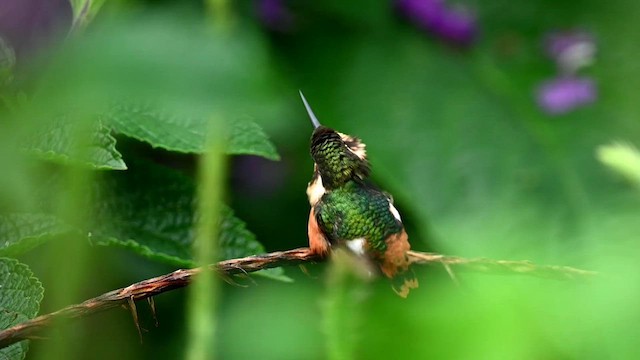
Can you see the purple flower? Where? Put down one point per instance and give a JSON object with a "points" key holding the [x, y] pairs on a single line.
{"points": [[274, 15], [571, 50], [455, 25], [27, 25], [561, 95]]}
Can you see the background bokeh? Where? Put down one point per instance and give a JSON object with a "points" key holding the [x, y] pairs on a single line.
{"points": [[505, 130]]}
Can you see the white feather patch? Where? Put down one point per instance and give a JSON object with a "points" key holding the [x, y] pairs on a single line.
{"points": [[356, 245], [394, 211], [359, 148], [315, 190]]}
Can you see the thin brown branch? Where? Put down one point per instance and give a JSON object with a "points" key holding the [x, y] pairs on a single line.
{"points": [[180, 278], [513, 267]]}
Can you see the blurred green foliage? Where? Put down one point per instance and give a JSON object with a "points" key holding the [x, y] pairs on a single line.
{"points": [[121, 102]]}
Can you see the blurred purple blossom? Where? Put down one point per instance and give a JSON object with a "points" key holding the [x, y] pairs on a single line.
{"points": [[456, 25], [561, 95], [274, 15], [29, 24], [571, 50]]}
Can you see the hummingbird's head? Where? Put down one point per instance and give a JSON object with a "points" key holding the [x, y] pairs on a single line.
{"points": [[338, 157]]}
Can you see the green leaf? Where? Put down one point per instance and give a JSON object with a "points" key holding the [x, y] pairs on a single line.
{"points": [[177, 62], [53, 141], [247, 138], [20, 296], [149, 210], [21, 232], [186, 134], [158, 128]]}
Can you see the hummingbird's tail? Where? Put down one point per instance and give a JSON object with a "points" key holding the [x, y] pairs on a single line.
{"points": [[395, 264]]}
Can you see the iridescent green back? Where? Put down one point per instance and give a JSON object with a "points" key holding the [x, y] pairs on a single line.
{"points": [[356, 210]]}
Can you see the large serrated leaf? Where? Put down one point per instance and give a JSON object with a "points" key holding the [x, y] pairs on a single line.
{"points": [[149, 210], [172, 73], [247, 138], [20, 296], [186, 134], [20, 232], [54, 141]]}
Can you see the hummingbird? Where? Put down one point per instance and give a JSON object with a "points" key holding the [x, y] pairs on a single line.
{"points": [[349, 210]]}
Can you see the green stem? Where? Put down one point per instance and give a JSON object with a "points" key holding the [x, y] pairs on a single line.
{"points": [[203, 294], [220, 13], [68, 259], [341, 311]]}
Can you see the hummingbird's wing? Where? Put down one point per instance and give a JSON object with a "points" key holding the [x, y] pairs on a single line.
{"points": [[329, 221]]}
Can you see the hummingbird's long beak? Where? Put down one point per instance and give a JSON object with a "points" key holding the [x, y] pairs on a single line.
{"points": [[314, 120]]}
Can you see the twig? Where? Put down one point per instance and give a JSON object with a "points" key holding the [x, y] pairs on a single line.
{"points": [[513, 267], [180, 278]]}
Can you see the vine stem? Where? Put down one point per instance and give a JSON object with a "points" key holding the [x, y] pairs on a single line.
{"points": [[148, 288]]}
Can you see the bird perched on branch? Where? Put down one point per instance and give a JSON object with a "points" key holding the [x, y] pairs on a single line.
{"points": [[348, 210]]}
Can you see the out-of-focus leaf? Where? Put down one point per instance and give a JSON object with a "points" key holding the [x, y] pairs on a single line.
{"points": [[20, 296], [54, 141], [623, 159], [21, 232], [157, 221], [190, 68], [186, 134]]}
